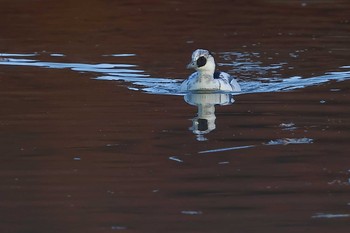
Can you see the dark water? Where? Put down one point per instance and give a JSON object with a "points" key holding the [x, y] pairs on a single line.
{"points": [[94, 136]]}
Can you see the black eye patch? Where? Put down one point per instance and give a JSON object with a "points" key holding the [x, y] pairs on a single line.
{"points": [[201, 61]]}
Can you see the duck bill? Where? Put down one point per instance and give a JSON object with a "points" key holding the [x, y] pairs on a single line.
{"points": [[191, 65]]}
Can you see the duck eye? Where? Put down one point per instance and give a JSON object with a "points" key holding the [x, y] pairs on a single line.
{"points": [[201, 61]]}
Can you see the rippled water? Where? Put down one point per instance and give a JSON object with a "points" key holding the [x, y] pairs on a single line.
{"points": [[253, 77], [95, 137]]}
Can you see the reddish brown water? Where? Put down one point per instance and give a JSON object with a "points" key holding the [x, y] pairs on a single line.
{"points": [[78, 154]]}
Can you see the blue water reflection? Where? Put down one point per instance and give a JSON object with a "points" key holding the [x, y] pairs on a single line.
{"points": [[253, 76]]}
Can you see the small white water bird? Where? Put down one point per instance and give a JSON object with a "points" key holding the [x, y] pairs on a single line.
{"points": [[206, 78]]}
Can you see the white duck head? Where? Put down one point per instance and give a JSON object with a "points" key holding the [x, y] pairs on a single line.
{"points": [[202, 61]]}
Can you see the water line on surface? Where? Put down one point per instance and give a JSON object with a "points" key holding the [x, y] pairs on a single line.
{"points": [[134, 77], [283, 141]]}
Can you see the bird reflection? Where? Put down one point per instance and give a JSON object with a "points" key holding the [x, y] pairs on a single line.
{"points": [[204, 122]]}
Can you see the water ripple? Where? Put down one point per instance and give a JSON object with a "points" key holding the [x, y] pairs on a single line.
{"points": [[282, 141], [330, 216], [254, 77]]}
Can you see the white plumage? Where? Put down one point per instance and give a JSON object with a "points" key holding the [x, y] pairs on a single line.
{"points": [[206, 78]]}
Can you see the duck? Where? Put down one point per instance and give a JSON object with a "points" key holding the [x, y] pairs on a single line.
{"points": [[206, 78]]}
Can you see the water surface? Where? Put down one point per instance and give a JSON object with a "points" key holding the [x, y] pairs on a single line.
{"points": [[96, 138]]}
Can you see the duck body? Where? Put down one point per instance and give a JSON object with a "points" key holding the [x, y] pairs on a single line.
{"points": [[206, 79], [218, 81]]}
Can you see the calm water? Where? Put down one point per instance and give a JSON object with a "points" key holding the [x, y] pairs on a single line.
{"points": [[95, 137]]}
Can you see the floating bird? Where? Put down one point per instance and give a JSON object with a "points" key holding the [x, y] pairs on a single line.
{"points": [[205, 78]]}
